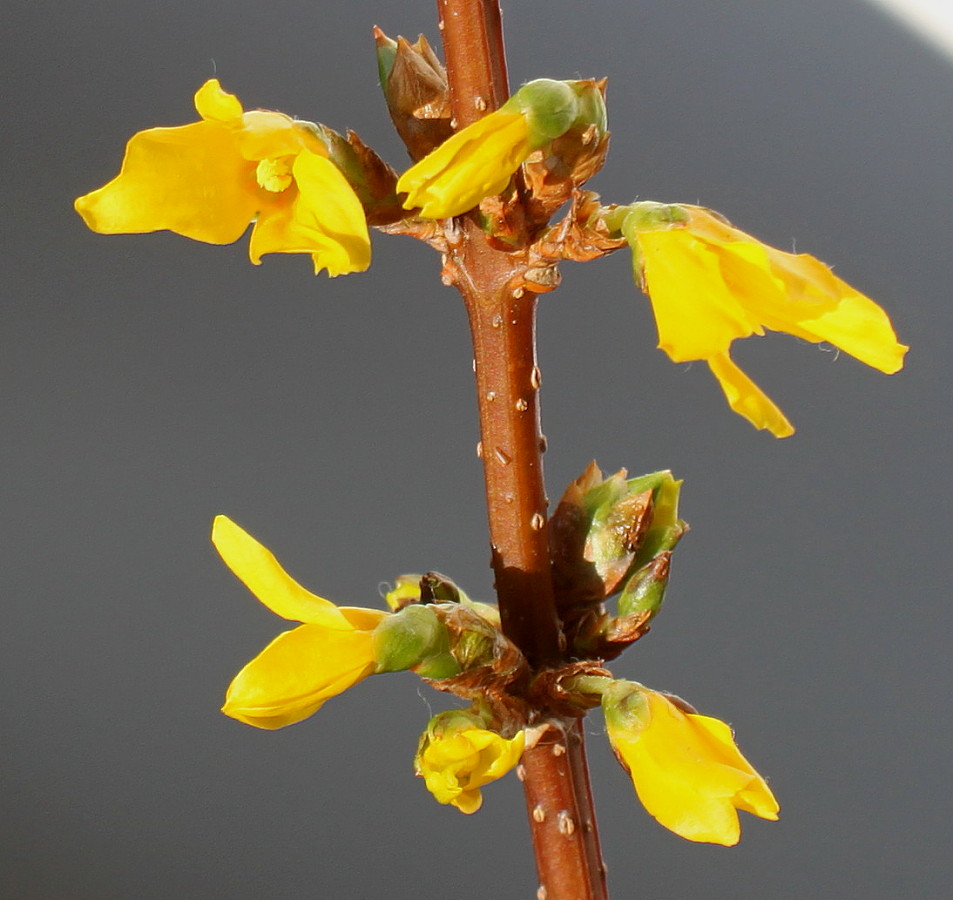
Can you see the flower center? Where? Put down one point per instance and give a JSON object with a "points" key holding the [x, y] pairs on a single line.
{"points": [[274, 174]]}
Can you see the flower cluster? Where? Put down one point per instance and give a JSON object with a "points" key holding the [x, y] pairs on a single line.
{"points": [[306, 189], [336, 647], [709, 282], [686, 769]]}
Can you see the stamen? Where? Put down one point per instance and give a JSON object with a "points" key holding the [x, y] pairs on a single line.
{"points": [[274, 174]]}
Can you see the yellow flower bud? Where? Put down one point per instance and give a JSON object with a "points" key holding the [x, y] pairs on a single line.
{"points": [[210, 179], [686, 768], [479, 160], [457, 755], [711, 283]]}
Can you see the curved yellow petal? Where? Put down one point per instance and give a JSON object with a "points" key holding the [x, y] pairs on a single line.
{"points": [[675, 801], [262, 574], [262, 134], [363, 619], [695, 312], [325, 219], [474, 163], [800, 295], [296, 673], [211, 102], [755, 797], [747, 399], [190, 180], [822, 307], [688, 772]]}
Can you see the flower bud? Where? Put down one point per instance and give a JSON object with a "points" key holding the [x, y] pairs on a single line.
{"points": [[406, 590], [414, 638], [458, 754], [479, 160]]}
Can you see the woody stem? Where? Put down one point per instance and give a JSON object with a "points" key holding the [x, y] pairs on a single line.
{"points": [[502, 316]]}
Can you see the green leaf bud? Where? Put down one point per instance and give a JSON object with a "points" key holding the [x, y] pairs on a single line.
{"points": [[666, 529], [644, 592]]}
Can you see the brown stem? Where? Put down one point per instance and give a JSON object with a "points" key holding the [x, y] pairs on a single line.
{"points": [[507, 379], [502, 316], [475, 56], [558, 802]]}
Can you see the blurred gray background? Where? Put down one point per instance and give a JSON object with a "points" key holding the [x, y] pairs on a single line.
{"points": [[149, 382]]}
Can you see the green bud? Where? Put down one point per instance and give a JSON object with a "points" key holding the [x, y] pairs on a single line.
{"points": [[591, 104], [605, 528], [666, 529], [632, 521], [645, 590], [550, 108], [386, 56], [414, 638], [625, 706], [475, 643]]}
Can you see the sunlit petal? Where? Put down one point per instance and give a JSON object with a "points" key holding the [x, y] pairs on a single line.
{"points": [[211, 102], [695, 312], [325, 219], [296, 673], [262, 574], [686, 768], [188, 180], [747, 399]]}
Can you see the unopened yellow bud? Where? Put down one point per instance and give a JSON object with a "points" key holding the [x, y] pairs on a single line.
{"points": [[458, 755]]}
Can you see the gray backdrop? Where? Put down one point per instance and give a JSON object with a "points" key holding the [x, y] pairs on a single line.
{"points": [[149, 382]]}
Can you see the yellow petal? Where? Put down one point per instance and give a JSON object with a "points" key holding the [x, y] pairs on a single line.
{"points": [[689, 774], [755, 797], [211, 102], [325, 219], [261, 573], [823, 307], [296, 673], [363, 619], [672, 797], [800, 295], [468, 802], [747, 399], [474, 163], [263, 134], [189, 180], [696, 314]]}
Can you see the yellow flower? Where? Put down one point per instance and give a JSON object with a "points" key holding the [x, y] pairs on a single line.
{"points": [[710, 283], [476, 162], [479, 160], [300, 669], [209, 179], [686, 768], [458, 755]]}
